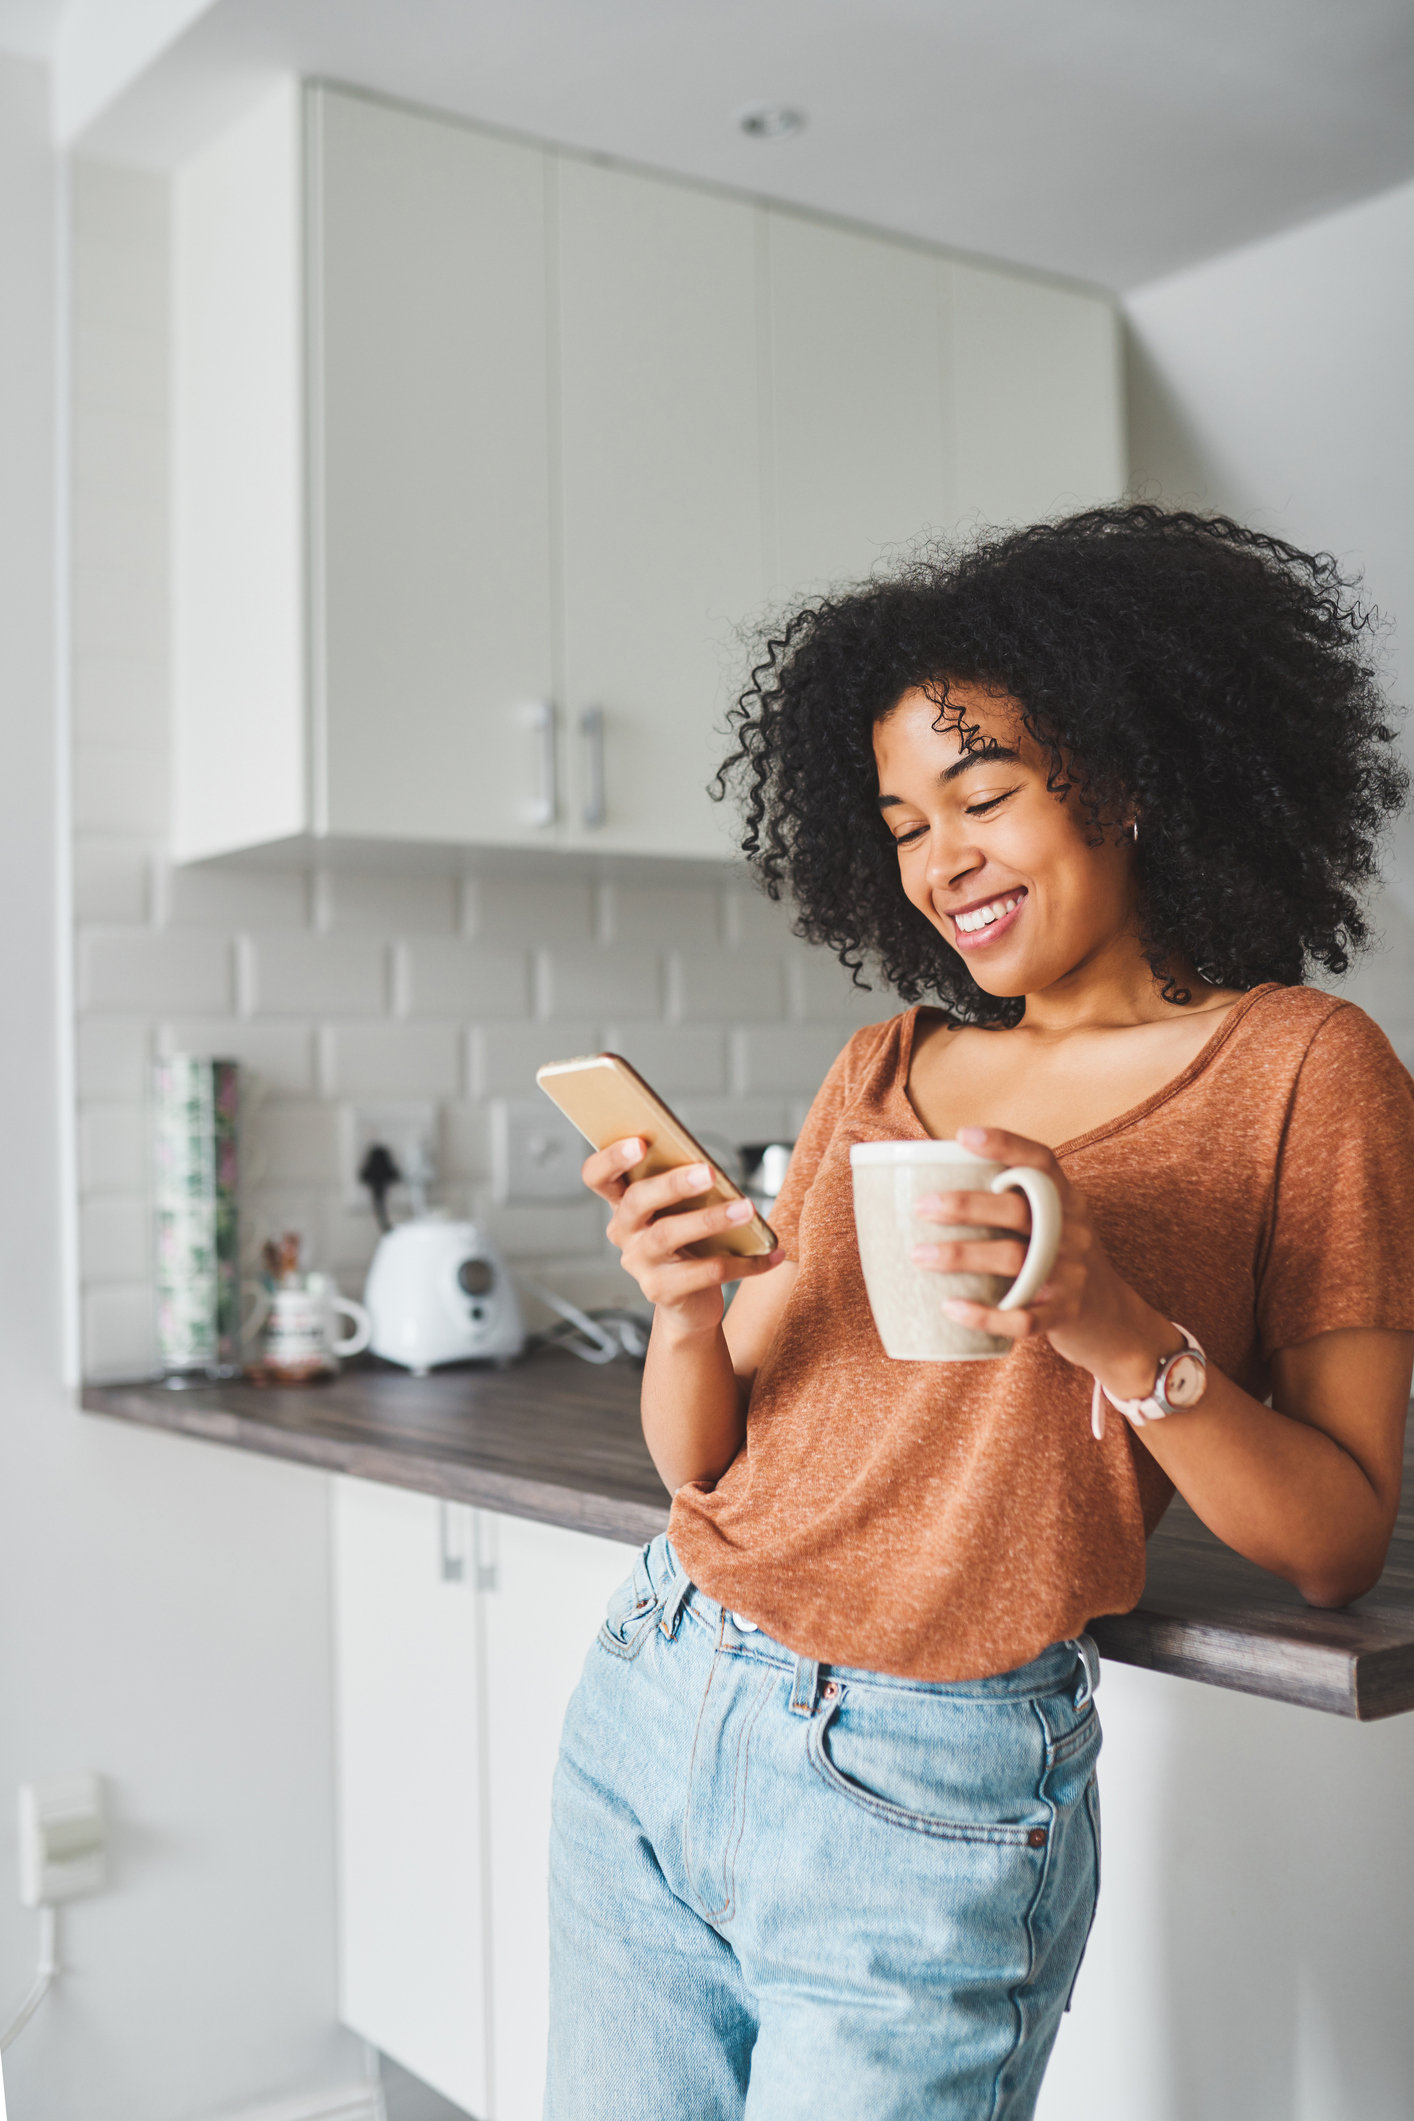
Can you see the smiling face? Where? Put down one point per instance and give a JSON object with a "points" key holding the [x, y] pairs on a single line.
{"points": [[998, 864]]}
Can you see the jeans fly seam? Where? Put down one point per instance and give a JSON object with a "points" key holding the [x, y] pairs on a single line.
{"points": [[691, 1785], [741, 1774]]}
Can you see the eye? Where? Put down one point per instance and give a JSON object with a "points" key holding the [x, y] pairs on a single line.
{"points": [[916, 832], [990, 803]]}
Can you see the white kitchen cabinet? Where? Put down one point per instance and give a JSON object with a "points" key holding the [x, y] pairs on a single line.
{"points": [[543, 1600], [861, 398], [660, 497], [414, 1972], [1038, 397], [361, 446], [484, 453], [459, 1638]]}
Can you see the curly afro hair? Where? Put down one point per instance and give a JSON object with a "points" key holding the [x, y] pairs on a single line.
{"points": [[1216, 682]]}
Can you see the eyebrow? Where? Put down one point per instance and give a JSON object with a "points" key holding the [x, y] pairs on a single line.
{"points": [[995, 754]]}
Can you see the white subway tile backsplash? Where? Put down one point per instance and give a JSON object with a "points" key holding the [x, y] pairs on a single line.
{"points": [[506, 1056], [752, 920], [294, 974], [713, 986], [118, 1335], [414, 1060], [729, 1123], [293, 1142], [194, 894], [505, 909], [112, 880], [116, 1240], [123, 970], [675, 1060], [111, 1055], [525, 1233], [820, 990], [280, 1056], [790, 1058], [607, 979], [638, 914], [389, 904], [466, 1142], [113, 1148], [460, 979], [120, 788]]}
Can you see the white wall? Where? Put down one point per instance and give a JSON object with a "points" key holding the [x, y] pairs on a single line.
{"points": [[163, 1608], [1275, 384], [1252, 1955]]}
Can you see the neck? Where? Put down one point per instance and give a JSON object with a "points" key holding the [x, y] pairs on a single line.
{"points": [[1111, 988]]}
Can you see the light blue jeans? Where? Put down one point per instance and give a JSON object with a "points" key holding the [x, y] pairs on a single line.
{"points": [[780, 1889]]}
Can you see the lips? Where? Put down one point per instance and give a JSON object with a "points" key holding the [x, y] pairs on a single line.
{"points": [[987, 920]]}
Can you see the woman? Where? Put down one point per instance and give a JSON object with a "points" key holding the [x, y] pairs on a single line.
{"points": [[826, 1831]]}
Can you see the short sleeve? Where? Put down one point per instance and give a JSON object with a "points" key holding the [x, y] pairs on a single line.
{"points": [[1340, 1250], [814, 1138]]}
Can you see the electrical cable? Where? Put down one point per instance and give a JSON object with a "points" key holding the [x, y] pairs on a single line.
{"points": [[44, 1978], [594, 1336]]}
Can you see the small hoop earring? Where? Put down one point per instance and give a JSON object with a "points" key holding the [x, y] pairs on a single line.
{"points": [[1134, 828]]}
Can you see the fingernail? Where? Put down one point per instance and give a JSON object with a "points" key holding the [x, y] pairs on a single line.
{"points": [[740, 1211], [631, 1151], [924, 1255], [699, 1175], [972, 1137], [956, 1308], [927, 1204]]}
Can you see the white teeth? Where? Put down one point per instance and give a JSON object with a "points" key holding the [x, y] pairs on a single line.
{"points": [[983, 916]]}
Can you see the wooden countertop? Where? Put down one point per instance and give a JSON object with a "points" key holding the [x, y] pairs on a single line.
{"points": [[558, 1440]]}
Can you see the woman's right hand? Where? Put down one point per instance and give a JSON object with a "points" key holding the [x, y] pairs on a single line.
{"points": [[685, 1289]]}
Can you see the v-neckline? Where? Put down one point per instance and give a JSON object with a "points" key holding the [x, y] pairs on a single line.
{"points": [[1206, 1053]]}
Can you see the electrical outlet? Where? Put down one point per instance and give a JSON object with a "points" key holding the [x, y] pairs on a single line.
{"points": [[535, 1152], [63, 1841], [408, 1130]]}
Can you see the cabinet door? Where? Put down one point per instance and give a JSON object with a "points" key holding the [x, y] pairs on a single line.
{"points": [[430, 475], [545, 1594], [860, 415], [660, 456], [1038, 397], [412, 1964]]}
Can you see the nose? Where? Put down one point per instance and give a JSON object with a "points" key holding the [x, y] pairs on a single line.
{"points": [[950, 858]]}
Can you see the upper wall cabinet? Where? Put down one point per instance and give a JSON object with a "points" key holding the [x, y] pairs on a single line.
{"points": [[485, 454]]}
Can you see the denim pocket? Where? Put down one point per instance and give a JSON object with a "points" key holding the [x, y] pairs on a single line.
{"points": [[631, 1611], [894, 1750], [1070, 1761]]}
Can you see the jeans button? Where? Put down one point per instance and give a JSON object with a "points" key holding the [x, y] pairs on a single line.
{"points": [[743, 1627]]}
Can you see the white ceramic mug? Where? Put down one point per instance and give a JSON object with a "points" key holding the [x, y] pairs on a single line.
{"points": [[907, 1300], [299, 1337]]}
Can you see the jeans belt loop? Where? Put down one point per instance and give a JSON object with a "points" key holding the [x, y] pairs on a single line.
{"points": [[804, 1687], [674, 1603], [1089, 1658]]}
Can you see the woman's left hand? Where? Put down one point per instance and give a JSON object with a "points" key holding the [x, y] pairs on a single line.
{"points": [[1090, 1315]]}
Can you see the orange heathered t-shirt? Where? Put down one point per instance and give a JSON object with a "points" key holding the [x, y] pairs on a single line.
{"points": [[949, 1520]]}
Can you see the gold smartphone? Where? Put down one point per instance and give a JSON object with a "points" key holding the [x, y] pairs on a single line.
{"points": [[609, 1102]]}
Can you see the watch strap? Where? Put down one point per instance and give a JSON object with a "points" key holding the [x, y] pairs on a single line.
{"points": [[1141, 1411]]}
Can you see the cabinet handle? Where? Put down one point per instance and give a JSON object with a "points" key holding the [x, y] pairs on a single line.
{"points": [[591, 728], [455, 1536], [546, 806]]}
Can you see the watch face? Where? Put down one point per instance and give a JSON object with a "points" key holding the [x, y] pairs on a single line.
{"points": [[1183, 1386]]}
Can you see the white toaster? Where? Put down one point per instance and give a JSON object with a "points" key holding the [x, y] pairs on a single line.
{"points": [[439, 1292]]}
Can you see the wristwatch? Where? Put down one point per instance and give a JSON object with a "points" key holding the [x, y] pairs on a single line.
{"points": [[1181, 1382]]}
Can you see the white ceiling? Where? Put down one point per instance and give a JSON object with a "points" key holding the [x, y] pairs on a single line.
{"points": [[1113, 140]]}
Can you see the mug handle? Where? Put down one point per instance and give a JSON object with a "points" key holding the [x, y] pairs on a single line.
{"points": [[1046, 1221], [362, 1333]]}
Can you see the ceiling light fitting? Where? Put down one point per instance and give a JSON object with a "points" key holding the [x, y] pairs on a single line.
{"points": [[771, 121]]}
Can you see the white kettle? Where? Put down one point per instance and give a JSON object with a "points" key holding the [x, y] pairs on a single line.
{"points": [[437, 1292]]}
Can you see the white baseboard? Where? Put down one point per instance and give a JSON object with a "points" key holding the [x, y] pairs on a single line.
{"points": [[362, 2101]]}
